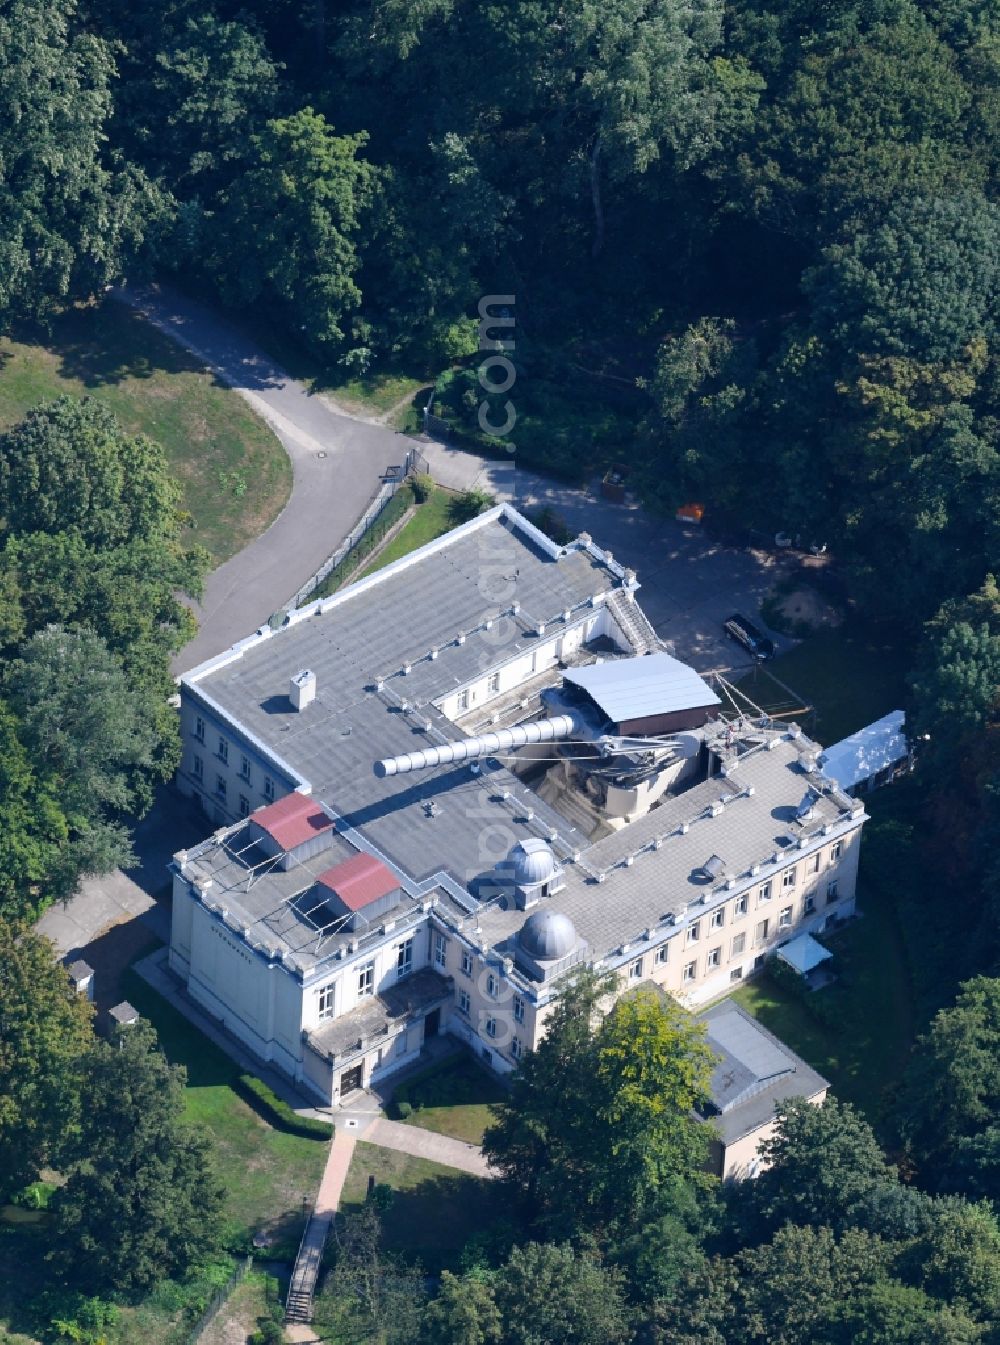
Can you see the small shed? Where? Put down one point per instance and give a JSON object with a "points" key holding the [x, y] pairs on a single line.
{"points": [[649, 695], [869, 758], [124, 1014], [804, 954], [81, 975]]}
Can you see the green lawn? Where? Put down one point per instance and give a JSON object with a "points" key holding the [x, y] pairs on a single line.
{"points": [[851, 675], [436, 1210], [455, 1098], [858, 1032], [431, 519], [233, 472], [267, 1174]]}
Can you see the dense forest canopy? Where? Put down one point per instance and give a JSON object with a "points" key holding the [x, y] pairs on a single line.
{"points": [[754, 248]]}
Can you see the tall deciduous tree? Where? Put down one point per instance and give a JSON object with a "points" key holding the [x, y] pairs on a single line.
{"points": [[68, 466], [70, 216], [821, 1164], [548, 1294], [286, 228], [95, 739], [599, 1120], [140, 1202], [44, 1031], [951, 1089]]}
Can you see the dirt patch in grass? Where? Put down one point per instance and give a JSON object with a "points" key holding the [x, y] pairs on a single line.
{"points": [[234, 475]]}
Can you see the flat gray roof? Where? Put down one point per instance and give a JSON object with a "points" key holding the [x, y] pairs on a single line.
{"points": [[657, 685], [755, 1071], [384, 650], [653, 868]]}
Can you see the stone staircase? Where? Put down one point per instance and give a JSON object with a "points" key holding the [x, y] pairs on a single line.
{"points": [[302, 1288], [305, 1272], [633, 623]]}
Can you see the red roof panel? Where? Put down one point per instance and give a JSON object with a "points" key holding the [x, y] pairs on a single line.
{"points": [[292, 820], [359, 881]]}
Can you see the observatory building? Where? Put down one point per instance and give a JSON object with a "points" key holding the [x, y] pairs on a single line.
{"points": [[438, 791]]}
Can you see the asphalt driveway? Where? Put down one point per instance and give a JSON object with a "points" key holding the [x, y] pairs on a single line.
{"points": [[337, 464]]}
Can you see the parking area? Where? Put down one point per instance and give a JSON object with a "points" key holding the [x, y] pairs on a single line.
{"points": [[690, 583]]}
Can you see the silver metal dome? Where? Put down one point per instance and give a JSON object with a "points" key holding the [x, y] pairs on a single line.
{"points": [[531, 863], [547, 935]]}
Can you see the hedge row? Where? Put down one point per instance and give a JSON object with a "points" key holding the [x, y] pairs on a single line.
{"points": [[279, 1113]]}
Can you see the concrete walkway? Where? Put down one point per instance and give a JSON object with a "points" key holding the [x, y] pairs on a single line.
{"points": [[337, 462], [306, 1270], [420, 1143]]}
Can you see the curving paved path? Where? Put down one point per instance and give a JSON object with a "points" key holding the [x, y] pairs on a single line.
{"points": [[337, 461]]}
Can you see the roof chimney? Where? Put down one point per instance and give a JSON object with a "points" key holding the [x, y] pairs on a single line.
{"points": [[302, 689]]}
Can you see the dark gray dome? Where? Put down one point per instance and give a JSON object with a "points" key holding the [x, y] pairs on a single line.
{"points": [[547, 935], [531, 862]]}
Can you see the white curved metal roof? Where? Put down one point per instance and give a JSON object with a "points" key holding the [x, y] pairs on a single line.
{"points": [[633, 688]]}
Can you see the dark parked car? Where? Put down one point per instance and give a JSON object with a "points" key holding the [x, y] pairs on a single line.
{"points": [[745, 633]]}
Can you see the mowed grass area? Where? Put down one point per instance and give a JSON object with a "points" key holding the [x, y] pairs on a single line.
{"points": [[454, 1098], [431, 519], [436, 1210], [234, 474], [852, 675], [267, 1174], [858, 1032]]}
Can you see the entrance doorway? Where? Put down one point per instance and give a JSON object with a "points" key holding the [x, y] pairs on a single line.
{"points": [[432, 1024], [351, 1079]]}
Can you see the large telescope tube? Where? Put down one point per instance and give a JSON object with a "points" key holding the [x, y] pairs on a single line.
{"points": [[486, 745]]}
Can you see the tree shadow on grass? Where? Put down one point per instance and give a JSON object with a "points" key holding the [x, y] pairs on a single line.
{"points": [[435, 1220], [104, 344]]}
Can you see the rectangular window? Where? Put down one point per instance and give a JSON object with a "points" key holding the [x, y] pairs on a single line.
{"points": [[199, 728], [714, 958], [760, 934], [245, 768], [694, 931], [223, 749], [366, 980], [440, 950], [832, 893], [809, 906], [785, 917], [690, 971], [463, 1001], [814, 862], [220, 786], [326, 995], [765, 893], [741, 907], [197, 767], [635, 970], [494, 683], [518, 1009], [244, 806], [268, 788], [719, 918], [836, 852], [404, 958], [739, 944], [663, 952], [463, 701], [492, 985], [491, 1026], [466, 964], [736, 974], [516, 1049], [788, 877]]}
